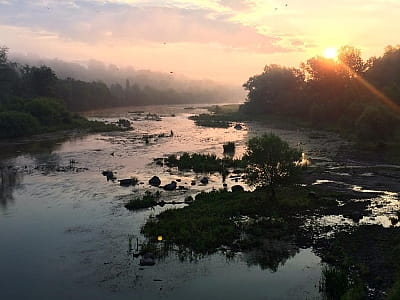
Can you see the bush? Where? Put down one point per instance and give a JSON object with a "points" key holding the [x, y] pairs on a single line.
{"points": [[376, 125], [15, 124], [271, 161], [48, 111]]}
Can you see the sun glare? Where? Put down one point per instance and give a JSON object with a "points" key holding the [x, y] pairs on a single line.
{"points": [[330, 53]]}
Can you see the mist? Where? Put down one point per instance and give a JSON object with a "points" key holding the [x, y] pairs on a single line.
{"points": [[111, 74]]}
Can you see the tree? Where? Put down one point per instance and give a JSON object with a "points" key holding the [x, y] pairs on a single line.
{"points": [[39, 81], [271, 90], [351, 58], [3, 55], [270, 162]]}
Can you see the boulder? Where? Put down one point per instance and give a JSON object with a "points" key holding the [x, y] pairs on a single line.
{"points": [[204, 180], [109, 175], [189, 200], [170, 186], [147, 260], [356, 216], [155, 181], [127, 182], [237, 188]]}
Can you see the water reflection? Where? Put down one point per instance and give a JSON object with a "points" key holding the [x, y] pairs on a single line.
{"points": [[47, 162], [271, 254], [10, 178]]}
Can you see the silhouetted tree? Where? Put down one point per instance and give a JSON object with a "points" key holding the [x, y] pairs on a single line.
{"points": [[270, 162]]}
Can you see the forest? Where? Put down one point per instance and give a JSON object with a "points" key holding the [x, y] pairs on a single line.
{"points": [[28, 81], [346, 94]]}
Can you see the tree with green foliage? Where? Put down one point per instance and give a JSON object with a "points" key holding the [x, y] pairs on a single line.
{"points": [[15, 124], [274, 88], [48, 111], [271, 161]]}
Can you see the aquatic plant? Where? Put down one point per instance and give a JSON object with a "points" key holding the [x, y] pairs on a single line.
{"points": [[207, 120], [229, 147], [202, 162], [148, 200]]}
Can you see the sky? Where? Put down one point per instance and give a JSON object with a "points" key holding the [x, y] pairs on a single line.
{"points": [[223, 40]]}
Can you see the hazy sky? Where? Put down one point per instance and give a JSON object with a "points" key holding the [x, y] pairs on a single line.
{"points": [[225, 40]]}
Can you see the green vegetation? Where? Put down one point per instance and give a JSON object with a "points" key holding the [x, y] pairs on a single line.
{"points": [[148, 200], [29, 103], [24, 117], [394, 292], [207, 120], [15, 123], [202, 163], [221, 218], [224, 109], [368, 256], [337, 283], [28, 82], [270, 161]]}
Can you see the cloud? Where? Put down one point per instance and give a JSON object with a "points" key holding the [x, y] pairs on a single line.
{"points": [[123, 22]]}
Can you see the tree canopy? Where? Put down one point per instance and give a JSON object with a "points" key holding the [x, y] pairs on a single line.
{"points": [[348, 94], [271, 161]]}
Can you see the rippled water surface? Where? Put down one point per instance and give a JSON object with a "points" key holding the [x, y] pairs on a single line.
{"points": [[64, 231]]}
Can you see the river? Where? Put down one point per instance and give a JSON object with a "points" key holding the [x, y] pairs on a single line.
{"points": [[64, 230]]}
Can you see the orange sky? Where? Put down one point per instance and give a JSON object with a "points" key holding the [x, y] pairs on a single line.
{"points": [[226, 40]]}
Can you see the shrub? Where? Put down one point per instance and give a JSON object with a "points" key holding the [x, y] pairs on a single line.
{"points": [[15, 124]]}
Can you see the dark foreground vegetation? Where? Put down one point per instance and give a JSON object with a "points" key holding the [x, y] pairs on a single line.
{"points": [[272, 223], [201, 163]]}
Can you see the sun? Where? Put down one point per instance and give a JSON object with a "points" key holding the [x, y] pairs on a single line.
{"points": [[330, 53]]}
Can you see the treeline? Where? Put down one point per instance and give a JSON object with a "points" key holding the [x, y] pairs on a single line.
{"points": [[348, 94], [28, 82], [28, 104]]}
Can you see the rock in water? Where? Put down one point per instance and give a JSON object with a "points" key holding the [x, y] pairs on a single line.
{"points": [[155, 181], [204, 180], [170, 186], [237, 188]]}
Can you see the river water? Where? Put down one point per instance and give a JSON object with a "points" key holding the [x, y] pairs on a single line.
{"points": [[64, 230]]}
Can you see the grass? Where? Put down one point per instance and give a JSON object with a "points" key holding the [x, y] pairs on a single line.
{"points": [[371, 252], [338, 283], [148, 200], [334, 282], [92, 126], [202, 163], [207, 120], [394, 292], [215, 219], [224, 109]]}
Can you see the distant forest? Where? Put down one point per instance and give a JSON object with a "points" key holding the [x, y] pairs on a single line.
{"points": [[25, 81], [346, 94]]}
